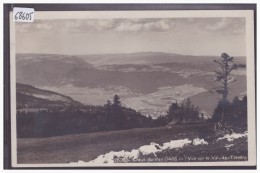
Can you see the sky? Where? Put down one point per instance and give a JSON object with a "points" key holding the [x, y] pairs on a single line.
{"points": [[187, 36]]}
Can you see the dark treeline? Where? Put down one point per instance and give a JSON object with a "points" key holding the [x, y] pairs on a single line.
{"points": [[184, 113], [234, 112], [72, 120], [114, 116]]}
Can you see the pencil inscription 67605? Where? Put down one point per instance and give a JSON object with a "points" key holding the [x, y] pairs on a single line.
{"points": [[23, 16]]}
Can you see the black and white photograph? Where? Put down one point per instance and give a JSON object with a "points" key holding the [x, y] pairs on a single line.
{"points": [[133, 88]]}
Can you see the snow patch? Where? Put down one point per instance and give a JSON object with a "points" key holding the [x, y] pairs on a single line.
{"points": [[233, 136], [176, 144], [123, 155], [150, 149], [228, 146], [153, 148], [198, 141], [52, 97]]}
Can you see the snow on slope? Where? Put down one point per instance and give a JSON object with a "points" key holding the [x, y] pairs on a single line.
{"points": [[52, 97], [233, 136], [153, 148], [198, 141]]}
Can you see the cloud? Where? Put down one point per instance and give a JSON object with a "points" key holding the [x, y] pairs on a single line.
{"points": [[219, 25], [227, 25], [87, 25], [119, 25], [128, 26], [104, 24], [44, 26], [161, 25], [23, 28], [156, 25], [84, 25], [35, 26], [70, 24], [230, 25]]}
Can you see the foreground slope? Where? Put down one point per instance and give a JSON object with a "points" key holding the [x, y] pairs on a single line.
{"points": [[71, 148], [88, 147]]}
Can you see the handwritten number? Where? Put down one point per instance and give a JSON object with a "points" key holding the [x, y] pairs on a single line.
{"points": [[23, 16]]}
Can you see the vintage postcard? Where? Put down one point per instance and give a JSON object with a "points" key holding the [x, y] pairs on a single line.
{"points": [[133, 88]]}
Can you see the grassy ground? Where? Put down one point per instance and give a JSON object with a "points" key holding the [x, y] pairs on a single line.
{"points": [[86, 147]]}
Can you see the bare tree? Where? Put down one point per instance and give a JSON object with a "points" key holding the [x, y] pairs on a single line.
{"points": [[224, 77]]}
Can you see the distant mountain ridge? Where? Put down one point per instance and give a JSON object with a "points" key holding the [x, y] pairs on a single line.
{"points": [[142, 58], [88, 71], [61, 70], [145, 58], [41, 69]]}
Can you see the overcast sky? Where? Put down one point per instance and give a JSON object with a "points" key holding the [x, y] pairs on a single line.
{"points": [[190, 36]]}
